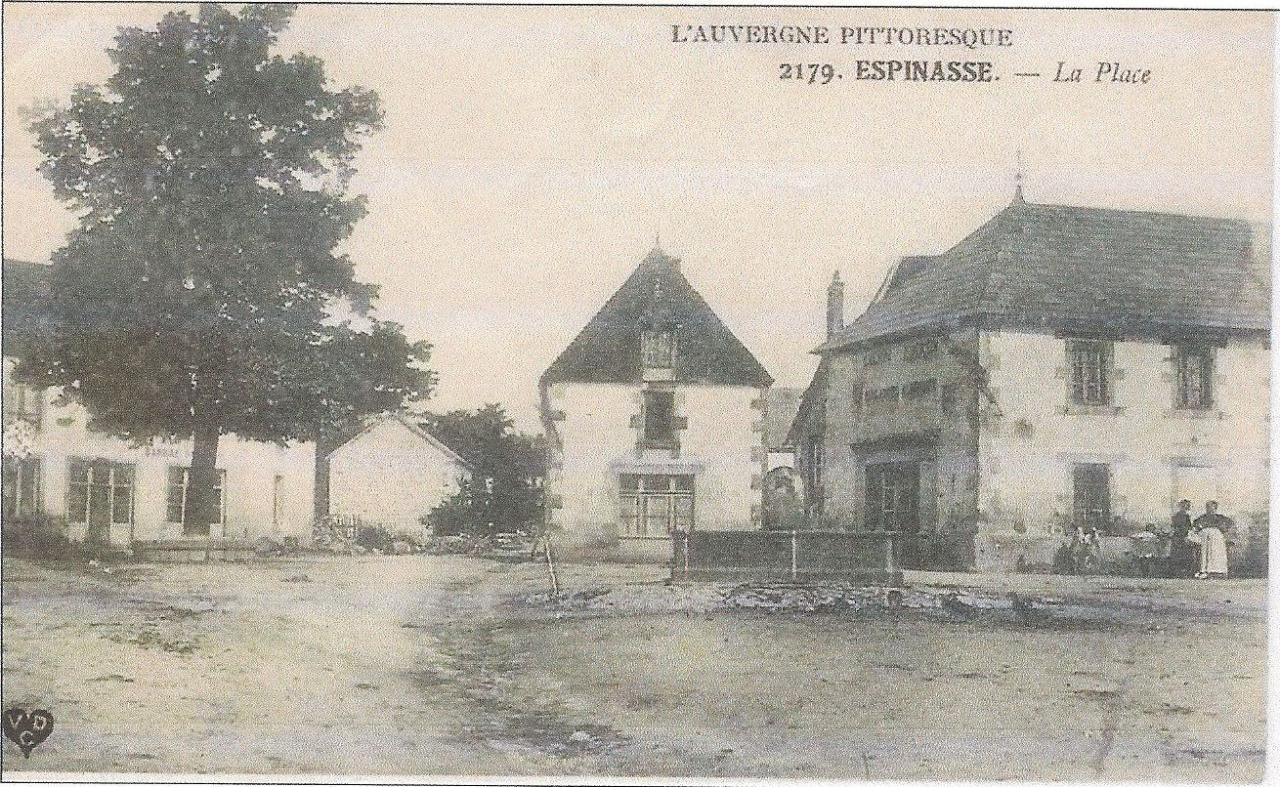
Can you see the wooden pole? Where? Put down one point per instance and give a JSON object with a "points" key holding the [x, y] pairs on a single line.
{"points": [[794, 549], [551, 566]]}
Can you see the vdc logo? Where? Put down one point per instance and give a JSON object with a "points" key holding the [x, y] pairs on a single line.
{"points": [[27, 728]]}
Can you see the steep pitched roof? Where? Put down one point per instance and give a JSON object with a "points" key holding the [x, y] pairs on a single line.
{"points": [[656, 293], [23, 312], [374, 421], [1064, 267]]}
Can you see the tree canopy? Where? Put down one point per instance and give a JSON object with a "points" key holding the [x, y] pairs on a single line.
{"points": [[504, 489], [202, 290]]}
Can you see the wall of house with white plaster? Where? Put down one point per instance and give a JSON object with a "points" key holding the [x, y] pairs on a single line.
{"points": [[268, 488], [1032, 435], [721, 446], [389, 476]]}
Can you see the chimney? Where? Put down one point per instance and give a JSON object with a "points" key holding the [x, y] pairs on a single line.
{"points": [[835, 305]]}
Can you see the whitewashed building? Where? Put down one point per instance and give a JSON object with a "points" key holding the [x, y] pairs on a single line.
{"points": [[392, 474], [1060, 366], [104, 491], [654, 415]]}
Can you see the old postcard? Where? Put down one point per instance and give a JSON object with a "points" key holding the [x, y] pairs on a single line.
{"points": [[482, 393]]}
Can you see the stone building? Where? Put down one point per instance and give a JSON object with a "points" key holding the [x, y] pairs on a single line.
{"points": [[654, 415], [1059, 366]]}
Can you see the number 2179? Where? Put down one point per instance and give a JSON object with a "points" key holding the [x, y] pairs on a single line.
{"points": [[812, 73]]}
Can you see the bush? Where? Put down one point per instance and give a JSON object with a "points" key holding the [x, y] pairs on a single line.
{"points": [[44, 537], [374, 538]]}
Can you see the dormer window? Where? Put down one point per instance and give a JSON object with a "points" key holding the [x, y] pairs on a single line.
{"points": [[658, 348]]}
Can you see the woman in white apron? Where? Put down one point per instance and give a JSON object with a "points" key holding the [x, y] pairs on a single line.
{"points": [[1208, 535]]}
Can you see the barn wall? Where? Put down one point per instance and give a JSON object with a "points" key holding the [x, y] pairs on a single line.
{"points": [[390, 477]]}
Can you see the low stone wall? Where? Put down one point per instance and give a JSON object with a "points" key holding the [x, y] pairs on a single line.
{"points": [[797, 556], [202, 550]]}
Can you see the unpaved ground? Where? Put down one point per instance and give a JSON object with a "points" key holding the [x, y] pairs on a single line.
{"points": [[425, 665]]}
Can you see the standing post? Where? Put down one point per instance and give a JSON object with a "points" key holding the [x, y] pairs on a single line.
{"points": [[551, 566], [686, 556], [794, 549]]}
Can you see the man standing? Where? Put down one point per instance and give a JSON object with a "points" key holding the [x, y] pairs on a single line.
{"points": [[1182, 554]]}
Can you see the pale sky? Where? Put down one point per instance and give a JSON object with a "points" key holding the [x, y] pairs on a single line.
{"points": [[531, 154]]}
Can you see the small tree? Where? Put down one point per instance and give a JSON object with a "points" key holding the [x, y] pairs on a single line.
{"points": [[504, 490], [197, 295]]}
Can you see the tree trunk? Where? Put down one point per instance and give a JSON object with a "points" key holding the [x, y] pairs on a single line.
{"points": [[203, 508]]}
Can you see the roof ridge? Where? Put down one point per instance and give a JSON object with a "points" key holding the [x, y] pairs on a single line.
{"points": [[1136, 212]]}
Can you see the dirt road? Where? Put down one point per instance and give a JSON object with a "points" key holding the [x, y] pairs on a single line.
{"points": [[422, 665]]}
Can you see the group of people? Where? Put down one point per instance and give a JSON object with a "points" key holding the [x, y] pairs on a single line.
{"points": [[1198, 548]]}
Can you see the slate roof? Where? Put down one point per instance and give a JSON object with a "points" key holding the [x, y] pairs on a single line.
{"points": [[22, 312], [1064, 267], [607, 350]]}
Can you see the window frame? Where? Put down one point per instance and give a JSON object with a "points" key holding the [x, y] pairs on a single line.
{"points": [[91, 468], [665, 500], [666, 438], [1098, 353], [658, 347], [24, 486], [180, 488], [1206, 398]]}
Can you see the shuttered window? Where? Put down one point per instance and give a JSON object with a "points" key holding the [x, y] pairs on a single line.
{"points": [[1195, 377], [1089, 360]]}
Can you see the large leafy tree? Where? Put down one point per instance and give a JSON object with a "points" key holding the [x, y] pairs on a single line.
{"points": [[504, 491], [202, 292]]}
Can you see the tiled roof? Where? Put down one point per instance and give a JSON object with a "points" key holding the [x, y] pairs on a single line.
{"points": [[656, 293], [1064, 267]]}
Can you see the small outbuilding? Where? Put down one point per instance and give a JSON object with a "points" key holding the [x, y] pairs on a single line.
{"points": [[392, 474]]}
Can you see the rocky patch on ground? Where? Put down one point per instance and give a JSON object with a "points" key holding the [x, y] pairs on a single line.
{"points": [[951, 604]]}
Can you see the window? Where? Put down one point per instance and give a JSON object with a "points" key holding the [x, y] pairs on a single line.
{"points": [[925, 348], [99, 492], [658, 349], [175, 510], [1195, 377], [1089, 360], [893, 493], [659, 418], [921, 389], [877, 356], [882, 398], [24, 402], [1092, 495], [22, 487], [655, 505]]}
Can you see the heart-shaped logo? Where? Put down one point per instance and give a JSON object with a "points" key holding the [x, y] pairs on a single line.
{"points": [[27, 728]]}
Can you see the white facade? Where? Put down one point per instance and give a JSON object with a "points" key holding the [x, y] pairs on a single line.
{"points": [[106, 490], [1155, 452], [600, 430], [391, 475]]}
